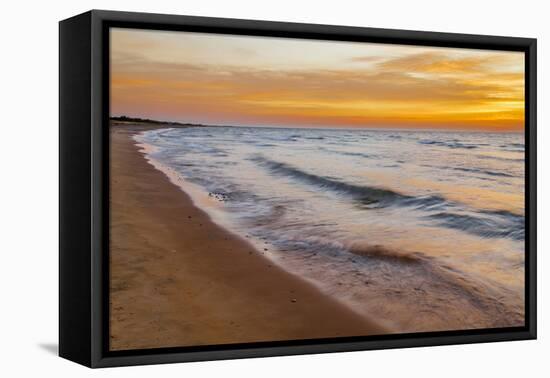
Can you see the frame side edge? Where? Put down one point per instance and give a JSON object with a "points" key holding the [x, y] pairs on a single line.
{"points": [[99, 140], [532, 117], [74, 189]]}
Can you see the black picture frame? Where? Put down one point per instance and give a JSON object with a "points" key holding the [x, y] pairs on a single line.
{"points": [[84, 187]]}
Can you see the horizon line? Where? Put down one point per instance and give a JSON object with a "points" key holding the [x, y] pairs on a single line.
{"points": [[332, 127]]}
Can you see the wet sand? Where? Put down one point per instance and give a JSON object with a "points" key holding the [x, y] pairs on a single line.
{"points": [[178, 279]]}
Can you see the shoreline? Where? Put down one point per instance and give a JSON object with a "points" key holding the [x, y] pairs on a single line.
{"points": [[179, 279]]}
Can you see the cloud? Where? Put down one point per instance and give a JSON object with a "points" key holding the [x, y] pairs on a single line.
{"points": [[430, 88], [440, 63], [367, 59]]}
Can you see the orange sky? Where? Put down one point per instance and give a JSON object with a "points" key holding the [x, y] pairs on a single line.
{"points": [[241, 80]]}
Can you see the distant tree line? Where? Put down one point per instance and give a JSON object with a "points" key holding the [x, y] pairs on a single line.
{"points": [[150, 121]]}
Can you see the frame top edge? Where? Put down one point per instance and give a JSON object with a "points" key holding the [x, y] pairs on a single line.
{"points": [[321, 30]]}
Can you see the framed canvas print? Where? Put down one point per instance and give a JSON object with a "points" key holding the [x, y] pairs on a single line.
{"points": [[234, 188]]}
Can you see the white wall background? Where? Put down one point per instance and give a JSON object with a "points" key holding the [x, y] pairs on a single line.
{"points": [[28, 148]]}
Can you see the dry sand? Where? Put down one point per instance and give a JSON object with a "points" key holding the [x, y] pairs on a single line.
{"points": [[178, 279]]}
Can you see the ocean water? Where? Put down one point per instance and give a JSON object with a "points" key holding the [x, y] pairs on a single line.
{"points": [[417, 230]]}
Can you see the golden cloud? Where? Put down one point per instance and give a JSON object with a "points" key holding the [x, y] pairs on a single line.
{"points": [[427, 89]]}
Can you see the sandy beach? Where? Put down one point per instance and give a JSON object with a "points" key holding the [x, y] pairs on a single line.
{"points": [[178, 279]]}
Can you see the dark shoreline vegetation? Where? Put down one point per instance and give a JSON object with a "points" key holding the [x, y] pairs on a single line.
{"points": [[123, 120]]}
